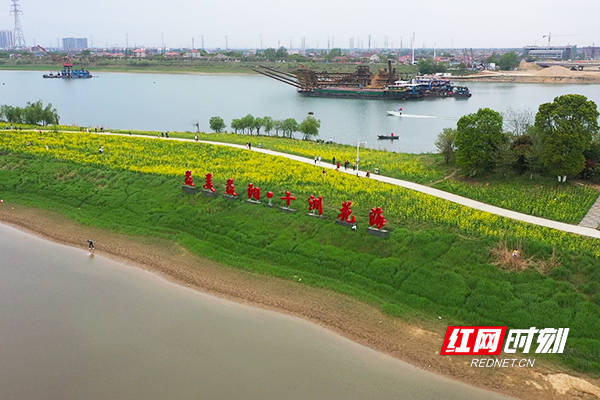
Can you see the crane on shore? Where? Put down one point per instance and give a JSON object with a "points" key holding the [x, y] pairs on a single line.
{"points": [[549, 36]]}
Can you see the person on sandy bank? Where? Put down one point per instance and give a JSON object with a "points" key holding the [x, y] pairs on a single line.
{"points": [[91, 245]]}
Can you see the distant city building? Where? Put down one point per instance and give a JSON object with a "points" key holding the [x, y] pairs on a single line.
{"points": [[550, 52], [590, 52], [139, 53], [74, 44], [6, 40]]}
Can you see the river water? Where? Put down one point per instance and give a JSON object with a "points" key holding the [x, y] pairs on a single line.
{"points": [[176, 102], [76, 327]]}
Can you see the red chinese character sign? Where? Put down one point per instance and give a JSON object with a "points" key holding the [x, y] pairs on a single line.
{"points": [[376, 218], [209, 188], [288, 198], [315, 205], [345, 213], [253, 194], [189, 179], [376, 223], [230, 192], [209, 183], [188, 184]]}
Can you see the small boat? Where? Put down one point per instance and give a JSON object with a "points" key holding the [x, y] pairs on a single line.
{"points": [[395, 113], [388, 137]]}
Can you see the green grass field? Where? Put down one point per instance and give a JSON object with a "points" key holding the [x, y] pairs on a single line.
{"points": [[437, 260], [536, 195]]}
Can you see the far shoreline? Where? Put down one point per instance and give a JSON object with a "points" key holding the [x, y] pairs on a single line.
{"points": [[507, 77], [135, 71], [415, 342]]}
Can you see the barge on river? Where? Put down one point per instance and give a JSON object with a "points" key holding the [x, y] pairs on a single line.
{"points": [[69, 73], [363, 84]]}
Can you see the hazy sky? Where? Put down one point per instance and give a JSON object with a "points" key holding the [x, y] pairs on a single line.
{"points": [[458, 23]]}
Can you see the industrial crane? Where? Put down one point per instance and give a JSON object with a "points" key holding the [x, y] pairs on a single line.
{"points": [[67, 72], [550, 35], [67, 61]]}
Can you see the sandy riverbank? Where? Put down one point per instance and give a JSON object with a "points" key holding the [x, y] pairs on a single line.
{"points": [[555, 74], [416, 342]]}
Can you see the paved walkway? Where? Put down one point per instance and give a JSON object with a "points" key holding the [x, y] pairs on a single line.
{"points": [[592, 218], [581, 229]]}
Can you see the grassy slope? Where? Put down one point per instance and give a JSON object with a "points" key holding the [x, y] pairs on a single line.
{"points": [[436, 262], [541, 196]]}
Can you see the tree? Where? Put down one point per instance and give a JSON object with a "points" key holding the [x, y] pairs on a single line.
{"points": [[566, 128], [11, 114], [522, 153], [493, 59], [429, 66], [33, 114], [518, 121], [237, 125], [281, 53], [478, 137], [509, 61], [426, 66], [247, 122], [270, 54], [257, 124], [309, 127], [445, 144], [336, 52], [268, 124], [277, 125], [289, 126], [217, 124]]}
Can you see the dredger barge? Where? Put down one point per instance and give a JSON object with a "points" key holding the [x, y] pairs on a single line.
{"points": [[363, 84]]}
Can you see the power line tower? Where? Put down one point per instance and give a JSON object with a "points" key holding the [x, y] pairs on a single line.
{"points": [[19, 37]]}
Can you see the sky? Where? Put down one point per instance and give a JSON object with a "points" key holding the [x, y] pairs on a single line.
{"points": [[436, 23]]}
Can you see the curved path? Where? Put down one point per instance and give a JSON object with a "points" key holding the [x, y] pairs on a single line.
{"points": [[478, 205]]}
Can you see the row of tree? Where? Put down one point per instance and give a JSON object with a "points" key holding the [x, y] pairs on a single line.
{"points": [[32, 114], [428, 66], [251, 124], [507, 61], [561, 140]]}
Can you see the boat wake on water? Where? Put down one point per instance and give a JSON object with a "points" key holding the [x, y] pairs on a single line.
{"points": [[417, 116], [404, 115]]}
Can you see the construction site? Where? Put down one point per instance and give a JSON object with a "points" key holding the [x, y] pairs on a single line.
{"points": [[542, 72]]}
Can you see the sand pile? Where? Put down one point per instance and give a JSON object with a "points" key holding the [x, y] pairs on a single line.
{"points": [[526, 66], [557, 70]]}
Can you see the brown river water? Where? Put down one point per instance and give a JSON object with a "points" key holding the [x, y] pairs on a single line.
{"points": [[80, 327]]}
